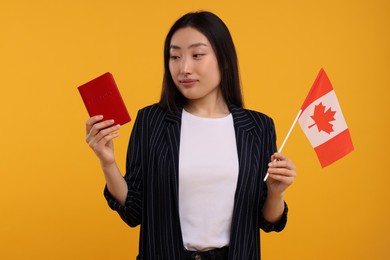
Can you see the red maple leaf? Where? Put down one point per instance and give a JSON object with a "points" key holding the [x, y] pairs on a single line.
{"points": [[323, 118]]}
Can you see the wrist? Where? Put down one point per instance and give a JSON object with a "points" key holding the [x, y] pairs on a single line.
{"points": [[277, 196], [273, 207], [108, 166]]}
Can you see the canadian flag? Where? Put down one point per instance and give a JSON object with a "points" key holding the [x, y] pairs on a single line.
{"points": [[323, 122]]}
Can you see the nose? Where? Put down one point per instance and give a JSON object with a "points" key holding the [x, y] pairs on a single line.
{"points": [[186, 66]]}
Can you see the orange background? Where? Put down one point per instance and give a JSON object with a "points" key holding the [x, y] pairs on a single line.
{"points": [[51, 199]]}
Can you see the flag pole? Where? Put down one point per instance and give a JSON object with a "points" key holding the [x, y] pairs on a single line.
{"points": [[285, 139]]}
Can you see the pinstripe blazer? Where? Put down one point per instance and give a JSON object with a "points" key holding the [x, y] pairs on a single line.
{"points": [[152, 178]]}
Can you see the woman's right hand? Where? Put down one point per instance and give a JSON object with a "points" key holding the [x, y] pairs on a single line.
{"points": [[99, 137]]}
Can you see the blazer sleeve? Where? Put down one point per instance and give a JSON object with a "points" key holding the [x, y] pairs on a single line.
{"points": [[131, 212], [270, 142]]}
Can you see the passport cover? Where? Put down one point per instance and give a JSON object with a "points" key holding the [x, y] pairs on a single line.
{"points": [[101, 96]]}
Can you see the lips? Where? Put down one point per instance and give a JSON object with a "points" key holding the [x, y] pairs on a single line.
{"points": [[188, 82]]}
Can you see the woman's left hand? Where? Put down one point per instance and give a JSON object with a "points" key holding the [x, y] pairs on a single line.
{"points": [[281, 174]]}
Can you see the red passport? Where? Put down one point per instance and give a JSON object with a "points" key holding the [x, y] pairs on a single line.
{"points": [[101, 96]]}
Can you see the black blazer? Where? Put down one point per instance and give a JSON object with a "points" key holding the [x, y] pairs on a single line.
{"points": [[152, 178]]}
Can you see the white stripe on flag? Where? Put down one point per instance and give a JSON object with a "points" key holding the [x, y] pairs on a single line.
{"points": [[316, 137]]}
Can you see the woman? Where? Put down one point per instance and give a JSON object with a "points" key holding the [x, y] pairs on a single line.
{"points": [[197, 159]]}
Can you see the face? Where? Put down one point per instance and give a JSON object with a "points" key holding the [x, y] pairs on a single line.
{"points": [[194, 66]]}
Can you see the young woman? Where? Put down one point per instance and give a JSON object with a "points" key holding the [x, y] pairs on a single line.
{"points": [[197, 159]]}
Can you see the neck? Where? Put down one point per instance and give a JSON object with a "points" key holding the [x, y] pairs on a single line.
{"points": [[208, 108]]}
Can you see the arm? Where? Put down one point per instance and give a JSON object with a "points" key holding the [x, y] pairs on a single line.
{"points": [[100, 135]]}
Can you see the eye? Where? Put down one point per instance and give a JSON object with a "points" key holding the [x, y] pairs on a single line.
{"points": [[174, 57], [198, 55]]}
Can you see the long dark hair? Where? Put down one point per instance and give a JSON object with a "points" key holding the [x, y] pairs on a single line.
{"points": [[220, 39]]}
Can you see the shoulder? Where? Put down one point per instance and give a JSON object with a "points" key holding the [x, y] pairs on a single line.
{"points": [[259, 118], [156, 114], [154, 108], [257, 115], [150, 113]]}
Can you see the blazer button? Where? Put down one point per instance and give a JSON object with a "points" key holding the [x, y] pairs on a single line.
{"points": [[198, 257]]}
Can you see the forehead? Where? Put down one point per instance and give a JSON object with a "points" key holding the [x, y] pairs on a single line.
{"points": [[188, 36]]}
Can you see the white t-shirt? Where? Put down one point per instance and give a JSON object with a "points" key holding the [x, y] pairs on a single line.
{"points": [[208, 172]]}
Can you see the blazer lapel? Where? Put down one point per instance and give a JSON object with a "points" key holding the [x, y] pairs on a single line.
{"points": [[243, 125], [173, 119]]}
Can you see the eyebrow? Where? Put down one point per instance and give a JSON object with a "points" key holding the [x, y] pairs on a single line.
{"points": [[194, 45]]}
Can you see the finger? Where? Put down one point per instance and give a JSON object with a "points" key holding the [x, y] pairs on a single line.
{"points": [[104, 132], [101, 125], [281, 161], [91, 121], [282, 172], [282, 164], [98, 143], [104, 148], [286, 180], [95, 134], [278, 157], [97, 127], [107, 138]]}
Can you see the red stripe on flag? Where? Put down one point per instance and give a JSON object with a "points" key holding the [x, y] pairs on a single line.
{"points": [[320, 87], [335, 148]]}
